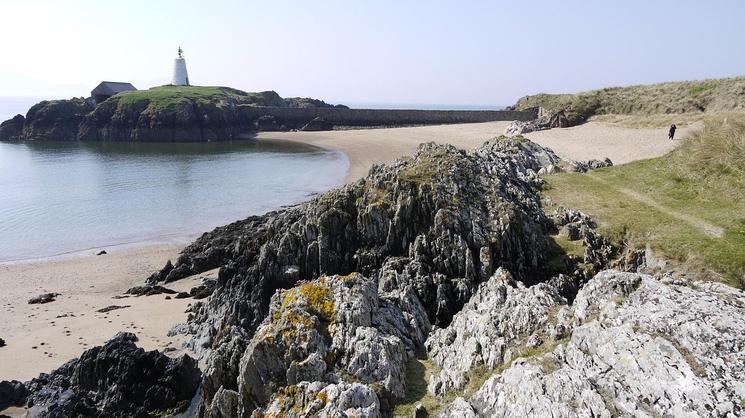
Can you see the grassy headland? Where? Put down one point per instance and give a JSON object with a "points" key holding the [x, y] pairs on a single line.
{"points": [[651, 102], [688, 205], [166, 98]]}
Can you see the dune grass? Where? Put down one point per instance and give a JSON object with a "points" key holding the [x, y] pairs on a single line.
{"points": [[684, 97], [688, 205]]}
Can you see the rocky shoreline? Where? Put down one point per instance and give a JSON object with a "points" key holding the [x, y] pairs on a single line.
{"points": [[445, 258]]}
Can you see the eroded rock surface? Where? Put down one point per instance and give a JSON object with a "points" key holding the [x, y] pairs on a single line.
{"points": [[117, 379], [639, 346]]}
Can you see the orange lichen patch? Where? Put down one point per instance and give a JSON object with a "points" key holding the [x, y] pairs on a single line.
{"points": [[317, 297]]}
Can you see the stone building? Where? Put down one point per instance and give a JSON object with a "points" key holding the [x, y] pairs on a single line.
{"points": [[109, 88]]}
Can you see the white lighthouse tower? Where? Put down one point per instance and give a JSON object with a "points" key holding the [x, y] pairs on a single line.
{"points": [[180, 76]]}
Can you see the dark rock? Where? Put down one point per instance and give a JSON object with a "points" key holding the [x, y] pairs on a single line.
{"points": [[117, 379], [149, 290], [102, 252], [168, 298], [56, 120], [318, 124], [12, 393], [160, 275], [2, 342], [43, 298], [12, 128], [204, 290], [182, 295], [112, 308]]}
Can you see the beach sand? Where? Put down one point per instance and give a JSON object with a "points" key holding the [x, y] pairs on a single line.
{"points": [[593, 140], [41, 337], [88, 282]]}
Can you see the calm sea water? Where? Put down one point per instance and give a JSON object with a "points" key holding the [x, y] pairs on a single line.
{"points": [[57, 198]]}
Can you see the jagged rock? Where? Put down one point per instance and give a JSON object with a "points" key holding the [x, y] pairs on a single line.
{"points": [[12, 128], [43, 298], [160, 276], [426, 230], [324, 331], [102, 252], [316, 399], [117, 379], [12, 393], [203, 290], [501, 314], [2, 342], [564, 118], [182, 295], [638, 347], [519, 127], [148, 290]]}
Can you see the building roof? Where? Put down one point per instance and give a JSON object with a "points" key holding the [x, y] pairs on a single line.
{"points": [[112, 87]]}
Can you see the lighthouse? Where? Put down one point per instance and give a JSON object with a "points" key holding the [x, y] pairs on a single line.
{"points": [[180, 76]]}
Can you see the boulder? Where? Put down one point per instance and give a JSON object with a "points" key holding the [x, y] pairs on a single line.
{"points": [[12, 393], [117, 379]]}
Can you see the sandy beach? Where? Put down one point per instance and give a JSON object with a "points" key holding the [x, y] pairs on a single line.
{"points": [[365, 147], [40, 338]]}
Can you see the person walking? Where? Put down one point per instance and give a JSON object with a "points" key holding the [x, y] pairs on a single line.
{"points": [[671, 132]]}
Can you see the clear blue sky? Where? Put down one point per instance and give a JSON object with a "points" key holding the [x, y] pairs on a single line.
{"points": [[454, 52]]}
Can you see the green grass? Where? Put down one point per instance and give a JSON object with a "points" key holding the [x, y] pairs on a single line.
{"points": [[715, 96], [700, 183], [167, 98]]}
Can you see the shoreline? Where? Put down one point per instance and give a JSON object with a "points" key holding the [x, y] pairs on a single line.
{"points": [[591, 140], [63, 329]]}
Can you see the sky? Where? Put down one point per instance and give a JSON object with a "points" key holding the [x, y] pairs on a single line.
{"points": [[434, 52]]}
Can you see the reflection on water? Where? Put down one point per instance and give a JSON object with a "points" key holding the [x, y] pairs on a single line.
{"points": [[58, 197]]}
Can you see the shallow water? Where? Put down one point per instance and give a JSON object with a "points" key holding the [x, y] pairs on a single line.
{"points": [[58, 198]]}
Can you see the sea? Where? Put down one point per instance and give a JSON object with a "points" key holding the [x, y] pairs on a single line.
{"points": [[62, 198], [66, 198]]}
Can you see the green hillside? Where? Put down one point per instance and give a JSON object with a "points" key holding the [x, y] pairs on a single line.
{"points": [[689, 97], [689, 205]]}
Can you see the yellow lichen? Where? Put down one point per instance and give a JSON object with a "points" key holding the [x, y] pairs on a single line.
{"points": [[319, 299]]}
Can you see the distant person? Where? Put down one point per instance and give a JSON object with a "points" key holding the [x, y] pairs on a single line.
{"points": [[671, 132]]}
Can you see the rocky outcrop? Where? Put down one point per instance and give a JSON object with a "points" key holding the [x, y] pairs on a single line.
{"points": [[500, 317], [340, 334], [12, 128], [564, 118], [432, 226], [117, 379], [637, 345], [56, 120]]}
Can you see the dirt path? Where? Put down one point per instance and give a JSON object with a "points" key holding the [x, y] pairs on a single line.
{"points": [[706, 227]]}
